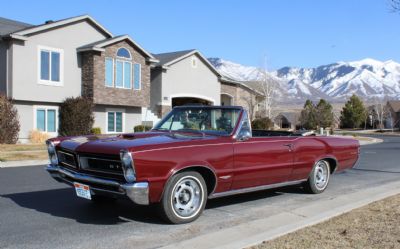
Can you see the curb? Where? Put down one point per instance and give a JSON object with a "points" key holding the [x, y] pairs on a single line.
{"points": [[255, 232], [12, 164]]}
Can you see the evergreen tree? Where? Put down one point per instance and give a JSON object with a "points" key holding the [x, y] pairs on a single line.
{"points": [[353, 113], [308, 116], [324, 114]]}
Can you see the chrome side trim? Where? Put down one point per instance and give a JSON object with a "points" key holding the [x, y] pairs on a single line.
{"points": [[253, 189]]}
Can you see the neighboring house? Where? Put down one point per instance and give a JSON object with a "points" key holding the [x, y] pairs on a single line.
{"points": [[393, 118], [42, 65], [183, 77], [235, 92], [287, 120]]}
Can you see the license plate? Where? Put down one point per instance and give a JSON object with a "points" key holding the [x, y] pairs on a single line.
{"points": [[82, 190]]}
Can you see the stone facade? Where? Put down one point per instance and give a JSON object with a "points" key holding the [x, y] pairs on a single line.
{"points": [[93, 78], [241, 97]]}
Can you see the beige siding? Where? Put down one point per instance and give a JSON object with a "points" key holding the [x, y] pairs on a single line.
{"points": [[183, 80], [25, 67]]}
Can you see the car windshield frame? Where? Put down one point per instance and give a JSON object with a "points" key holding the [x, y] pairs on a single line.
{"points": [[239, 110]]}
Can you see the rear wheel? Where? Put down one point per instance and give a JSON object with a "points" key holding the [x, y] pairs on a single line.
{"points": [[184, 198], [319, 178]]}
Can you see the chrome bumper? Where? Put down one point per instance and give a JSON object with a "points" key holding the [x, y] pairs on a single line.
{"points": [[138, 192]]}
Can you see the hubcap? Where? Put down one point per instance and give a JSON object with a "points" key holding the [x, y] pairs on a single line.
{"points": [[187, 197], [321, 175]]}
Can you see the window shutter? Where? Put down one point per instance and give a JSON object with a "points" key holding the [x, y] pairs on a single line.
{"points": [[137, 76]]}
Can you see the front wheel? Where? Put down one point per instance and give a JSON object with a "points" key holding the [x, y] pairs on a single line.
{"points": [[184, 198], [319, 178]]}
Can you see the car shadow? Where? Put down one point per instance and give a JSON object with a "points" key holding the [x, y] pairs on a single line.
{"points": [[64, 203]]}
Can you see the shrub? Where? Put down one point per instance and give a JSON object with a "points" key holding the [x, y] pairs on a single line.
{"points": [[38, 137], [262, 124], [142, 128], [76, 116], [9, 123], [95, 131]]}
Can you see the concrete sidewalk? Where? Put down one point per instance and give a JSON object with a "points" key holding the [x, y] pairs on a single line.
{"points": [[10, 164], [257, 231]]}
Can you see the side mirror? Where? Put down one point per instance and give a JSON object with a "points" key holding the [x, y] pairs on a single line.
{"points": [[244, 135]]}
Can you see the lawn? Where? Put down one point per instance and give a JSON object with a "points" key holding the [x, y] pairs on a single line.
{"points": [[373, 226], [15, 152]]}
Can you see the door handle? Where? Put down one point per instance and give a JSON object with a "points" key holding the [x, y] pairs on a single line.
{"points": [[290, 146]]}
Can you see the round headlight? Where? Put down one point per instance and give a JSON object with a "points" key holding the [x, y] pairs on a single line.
{"points": [[126, 159], [51, 148], [130, 175], [54, 159]]}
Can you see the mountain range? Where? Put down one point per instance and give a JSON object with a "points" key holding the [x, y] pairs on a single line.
{"points": [[367, 78]]}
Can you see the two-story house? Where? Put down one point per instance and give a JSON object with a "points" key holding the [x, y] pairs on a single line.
{"points": [[41, 65]]}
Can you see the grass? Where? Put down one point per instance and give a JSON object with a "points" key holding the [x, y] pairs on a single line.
{"points": [[373, 226], [16, 152]]}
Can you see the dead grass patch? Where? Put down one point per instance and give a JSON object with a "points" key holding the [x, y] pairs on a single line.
{"points": [[373, 226]]}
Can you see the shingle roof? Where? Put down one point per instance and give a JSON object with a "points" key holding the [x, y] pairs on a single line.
{"points": [[8, 26], [99, 45], [292, 117], [165, 58], [395, 105]]}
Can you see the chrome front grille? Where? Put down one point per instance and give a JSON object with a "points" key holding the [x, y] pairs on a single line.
{"points": [[67, 159], [104, 165]]}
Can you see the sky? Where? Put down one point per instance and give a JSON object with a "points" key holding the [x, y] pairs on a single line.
{"points": [[301, 33]]}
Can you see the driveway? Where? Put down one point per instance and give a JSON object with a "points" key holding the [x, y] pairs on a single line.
{"points": [[37, 212]]}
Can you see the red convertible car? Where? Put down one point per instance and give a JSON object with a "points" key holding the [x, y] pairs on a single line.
{"points": [[193, 154]]}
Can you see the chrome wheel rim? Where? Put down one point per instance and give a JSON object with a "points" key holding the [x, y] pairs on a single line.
{"points": [[321, 175], [187, 197]]}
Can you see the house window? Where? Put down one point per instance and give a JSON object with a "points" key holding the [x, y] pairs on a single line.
{"points": [[122, 78], [123, 75], [50, 65], [124, 53], [46, 119], [109, 72], [114, 121], [137, 76]]}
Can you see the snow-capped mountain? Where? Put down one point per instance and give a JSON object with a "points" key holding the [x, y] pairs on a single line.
{"points": [[366, 78]]}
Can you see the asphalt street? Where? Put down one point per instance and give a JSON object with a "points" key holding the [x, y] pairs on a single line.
{"points": [[37, 212]]}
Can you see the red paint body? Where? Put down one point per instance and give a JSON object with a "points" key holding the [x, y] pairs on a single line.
{"points": [[236, 164]]}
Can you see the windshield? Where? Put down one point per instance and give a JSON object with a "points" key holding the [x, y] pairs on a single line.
{"points": [[218, 121]]}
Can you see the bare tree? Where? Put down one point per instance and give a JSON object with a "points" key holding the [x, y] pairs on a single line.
{"points": [[380, 111], [251, 104], [268, 87]]}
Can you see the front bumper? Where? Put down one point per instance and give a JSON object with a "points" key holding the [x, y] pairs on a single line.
{"points": [[138, 192]]}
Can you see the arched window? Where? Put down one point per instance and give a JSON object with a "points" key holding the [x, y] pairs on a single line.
{"points": [[124, 53]]}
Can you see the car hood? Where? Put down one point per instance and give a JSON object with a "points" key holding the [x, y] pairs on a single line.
{"points": [[131, 142]]}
